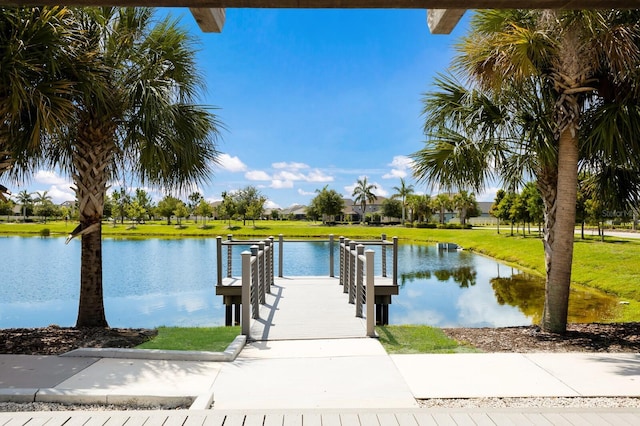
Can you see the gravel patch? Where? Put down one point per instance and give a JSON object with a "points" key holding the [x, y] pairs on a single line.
{"points": [[54, 406], [533, 402]]}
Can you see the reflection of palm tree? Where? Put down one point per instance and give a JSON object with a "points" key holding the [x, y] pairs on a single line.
{"points": [[364, 194]]}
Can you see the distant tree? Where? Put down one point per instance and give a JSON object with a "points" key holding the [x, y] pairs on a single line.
{"points": [[6, 207], [204, 209], [227, 209], [193, 202], [144, 200], [181, 211], [121, 200], [392, 208], [166, 207], [249, 203], [494, 210], [275, 214], [136, 212], [534, 204], [328, 204], [44, 206], [504, 208], [364, 194], [402, 192]]}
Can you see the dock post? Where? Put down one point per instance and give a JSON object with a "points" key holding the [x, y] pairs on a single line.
{"points": [[331, 274], [229, 256], [262, 278], [270, 260], [255, 283], [280, 243], [359, 296], [341, 260], [246, 294], [395, 260], [219, 259], [346, 260], [370, 296], [383, 251], [352, 271]]}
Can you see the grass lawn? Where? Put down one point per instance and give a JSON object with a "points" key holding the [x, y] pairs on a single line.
{"points": [[213, 339], [418, 339]]}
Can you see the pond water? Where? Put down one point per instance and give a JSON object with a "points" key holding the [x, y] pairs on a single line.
{"points": [[153, 282]]}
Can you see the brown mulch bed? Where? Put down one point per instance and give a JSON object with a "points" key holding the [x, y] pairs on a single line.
{"points": [[54, 340], [618, 337]]}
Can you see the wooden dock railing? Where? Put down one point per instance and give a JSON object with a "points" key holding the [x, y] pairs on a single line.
{"points": [[356, 267]]}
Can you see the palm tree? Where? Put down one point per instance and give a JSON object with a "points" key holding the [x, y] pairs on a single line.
{"points": [[537, 77], [41, 199], [364, 194], [25, 199], [402, 192], [463, 201], [442, 203], [132, 108]]}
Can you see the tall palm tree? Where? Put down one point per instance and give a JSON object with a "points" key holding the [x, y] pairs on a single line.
{"points": [[133, 109], [463, 201], [572, 78], [402, 192], [25, 199], [41, 199], [442, 203], [364, 194]]}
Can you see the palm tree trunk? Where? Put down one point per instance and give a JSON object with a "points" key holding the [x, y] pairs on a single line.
{"points": [[558, 242], [91, 162]]}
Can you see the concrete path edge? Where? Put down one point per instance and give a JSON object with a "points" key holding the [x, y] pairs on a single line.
{"points": [[228, 355]]}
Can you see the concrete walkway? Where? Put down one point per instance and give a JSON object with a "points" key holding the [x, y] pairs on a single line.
{"points": [[317, 374]]}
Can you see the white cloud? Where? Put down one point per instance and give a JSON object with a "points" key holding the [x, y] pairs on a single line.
{"points": [[231, 164], [271, 205], [292, 165], [399, 167], [286, 175], [305, 193], [50, 178], [395, 174], [318, 176], [281, 184], [401, 162], [489, 194], [257, 175], [60, 194]]}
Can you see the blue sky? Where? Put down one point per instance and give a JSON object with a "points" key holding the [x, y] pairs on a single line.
{"points": [[312, 98]]}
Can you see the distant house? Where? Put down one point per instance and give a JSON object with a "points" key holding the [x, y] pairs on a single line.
{"points": [[295, 212], [372, 208]]}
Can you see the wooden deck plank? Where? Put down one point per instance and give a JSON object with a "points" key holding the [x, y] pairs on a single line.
{"points": [[253, 420], [236, 419], [620, 418], [595, 419], [118, 419], [292, 419], [273, 419], [462, 419], [214, 419], [425, 419], [175, 420], [330, 419], [193, 420], [443, 419], [368, 419], [406, 419], [387, 419], [510, 418], [349, 419], [99, 419], [556, 419], [312, 419]]}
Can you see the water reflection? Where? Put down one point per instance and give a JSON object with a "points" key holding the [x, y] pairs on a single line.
{"points": [[152, 282]]}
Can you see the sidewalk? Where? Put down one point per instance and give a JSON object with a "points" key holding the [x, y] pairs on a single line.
{"points": [[316, 374]]}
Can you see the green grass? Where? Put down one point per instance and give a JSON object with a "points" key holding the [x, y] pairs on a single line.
{"points": [[418, 339], [213, 339]]}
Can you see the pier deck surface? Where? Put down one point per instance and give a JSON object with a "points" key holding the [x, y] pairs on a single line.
{"points": [[301, 308]]}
